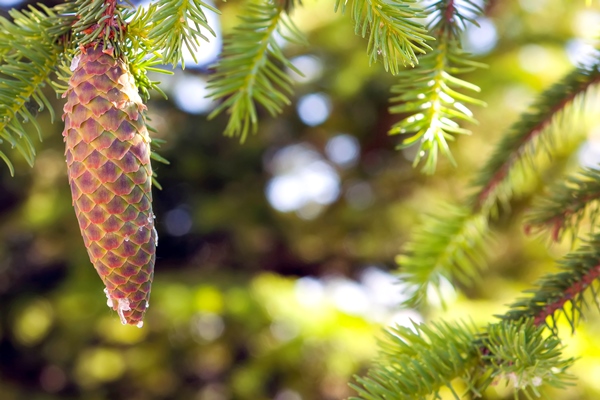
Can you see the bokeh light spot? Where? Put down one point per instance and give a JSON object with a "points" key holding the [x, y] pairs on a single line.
{"points": [[178, 222], [534, 58], [314, 109], [207, 326], [214, 391], [53, 379], [533, 6], [383, 287], [113, 331], [407, 318], [581, 52], [99, 365], [310, 66], [285, 193], [343, 150], [310, 210], [303, 181], [349, 297], [359, 195], [481, 39], [33, 322], [585, 24], [441, 294], [288, 394], [589, 154], [209, 299], [189, 94], [284, 331], [9, 3], [309, 291]]}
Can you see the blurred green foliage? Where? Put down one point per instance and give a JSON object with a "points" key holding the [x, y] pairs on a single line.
{"points": [[229, 318]]}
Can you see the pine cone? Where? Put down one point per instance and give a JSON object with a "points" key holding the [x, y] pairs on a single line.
{"points": [[108, 162]]}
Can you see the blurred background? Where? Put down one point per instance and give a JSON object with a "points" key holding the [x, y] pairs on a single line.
{"points": [[274, 272]]}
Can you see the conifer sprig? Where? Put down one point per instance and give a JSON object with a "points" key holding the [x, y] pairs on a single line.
{"points": [[563, 292], [139, 65], [535, 132], [430, 96], [433, 104], [566, 204], [449, 18], [26, 67], [47, 38], [393, 34], [520, 352], [415, 364], [139, 25], [100, 19], [177, 24], [447, 245], [250, 70], [532, 133]]}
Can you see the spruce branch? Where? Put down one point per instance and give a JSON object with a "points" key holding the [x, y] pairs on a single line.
{"points": [[566, 204], [450, 17], [432, 103], [140, 51], [521, 353], [447, 245], [579, 272], [430, 95], [26, 66], [178, 23], [416, 363], [393, 34], [532, 133], [100, 19], [251, 68], [138, 29], [139, 66]]}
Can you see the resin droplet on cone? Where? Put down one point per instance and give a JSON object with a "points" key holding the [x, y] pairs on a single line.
{"points": [[108, 162]]}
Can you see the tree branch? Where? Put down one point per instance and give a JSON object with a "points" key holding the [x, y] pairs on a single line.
{"points": [[393, 34], [249, 72], [523, 137], [25, 67], [566, 204], [579, 272]]}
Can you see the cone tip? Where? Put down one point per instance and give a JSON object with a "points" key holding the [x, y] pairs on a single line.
{"points": [[123, 305]]}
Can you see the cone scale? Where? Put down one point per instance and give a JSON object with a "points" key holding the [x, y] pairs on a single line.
{"points": [[108, 164]]}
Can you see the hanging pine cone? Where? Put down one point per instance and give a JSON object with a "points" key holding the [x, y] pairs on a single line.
{"points": [[108, 162]]}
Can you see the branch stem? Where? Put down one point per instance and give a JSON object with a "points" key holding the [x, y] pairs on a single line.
{"points": [[261, 54], [569, 294], [544, 121]]}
